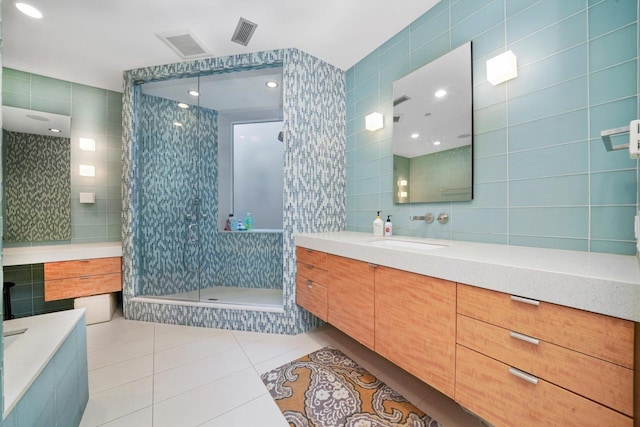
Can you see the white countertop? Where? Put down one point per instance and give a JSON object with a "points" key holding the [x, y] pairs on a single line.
{"points": [[602, 283], [27, 356], [53, 253]]}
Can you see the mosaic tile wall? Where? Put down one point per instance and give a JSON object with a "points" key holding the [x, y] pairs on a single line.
{"points": [[541, 174], [314, 113], [37, 188], [95, 113]]}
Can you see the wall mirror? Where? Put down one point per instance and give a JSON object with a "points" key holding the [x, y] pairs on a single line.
{"points": [[37, 175], [433, 131]]}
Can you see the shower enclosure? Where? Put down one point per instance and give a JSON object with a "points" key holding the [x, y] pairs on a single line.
{"points": [[185, 167]]}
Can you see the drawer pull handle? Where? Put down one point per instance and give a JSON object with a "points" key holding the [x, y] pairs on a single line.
{"points": [[309, 266], [523, 375], [84, 277], [309, 283], [524, 338], [308, 250], [373, 265], [525, 300]]}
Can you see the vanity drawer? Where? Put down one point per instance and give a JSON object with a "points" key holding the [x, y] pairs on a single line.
{"points": [[87, 267], [596, 379], [311, 272], [597, 335], [492, 390], [312, 296], [76, 287], [311, 256]]}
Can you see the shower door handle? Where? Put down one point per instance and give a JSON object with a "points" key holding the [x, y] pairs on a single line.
{"points": [[191, 236]]}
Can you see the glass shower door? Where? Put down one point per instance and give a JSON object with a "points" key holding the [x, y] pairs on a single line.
{"points": [[171, 206]]}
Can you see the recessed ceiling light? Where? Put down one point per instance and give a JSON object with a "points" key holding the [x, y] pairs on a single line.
{"points": [[415, 135], [436, 142], [271, 84], [193, 92], [54, 130], [177, 123], [464, 135], [29, 10], [440, 93], [183, 105]]}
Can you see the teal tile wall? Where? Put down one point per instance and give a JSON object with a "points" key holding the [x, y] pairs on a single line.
{"points": [[95, 113], [27, 296], [541, 174]]}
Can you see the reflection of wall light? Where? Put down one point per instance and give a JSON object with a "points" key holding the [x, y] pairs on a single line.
{"points": [[402, 194], [502, 68], [87, 170], [373, 122], [87, 144], [402, 182]]}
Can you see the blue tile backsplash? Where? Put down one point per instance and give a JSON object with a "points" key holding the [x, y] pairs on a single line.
{"points": [[541, 174]]}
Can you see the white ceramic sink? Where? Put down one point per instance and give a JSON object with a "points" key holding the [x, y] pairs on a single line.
{"points": [[405, 244]]}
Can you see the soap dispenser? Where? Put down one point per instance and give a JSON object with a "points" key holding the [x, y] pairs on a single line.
{"points": [[378, 226], [388, 227]]}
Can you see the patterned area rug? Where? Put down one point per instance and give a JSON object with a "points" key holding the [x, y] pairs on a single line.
{"points": [[327, 389]]}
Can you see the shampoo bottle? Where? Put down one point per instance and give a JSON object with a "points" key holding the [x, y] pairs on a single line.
{"points": [[388, 227], [378, 226], [248, 221]]}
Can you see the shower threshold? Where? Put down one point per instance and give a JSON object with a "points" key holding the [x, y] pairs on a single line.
{"points": [[225, 297]]}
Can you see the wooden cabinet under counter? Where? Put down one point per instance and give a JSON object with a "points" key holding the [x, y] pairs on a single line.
{"points": [[81, 278], [311, 290], [415, 325]]}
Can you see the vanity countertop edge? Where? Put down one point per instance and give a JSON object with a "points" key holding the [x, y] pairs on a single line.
{"points": [[601, 283], [55, 253]]}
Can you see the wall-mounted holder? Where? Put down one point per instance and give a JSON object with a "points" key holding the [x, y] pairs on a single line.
{"points": [[87, 197], [443, 218], [634, 138]]}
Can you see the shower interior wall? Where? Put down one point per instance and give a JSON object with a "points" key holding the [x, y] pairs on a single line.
{"points": [[314, 187], [178, 165]]}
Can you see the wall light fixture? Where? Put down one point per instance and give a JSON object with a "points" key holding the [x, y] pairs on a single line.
{"points": [[502, 68], [87, 144], [87, 170], [373, 122]]}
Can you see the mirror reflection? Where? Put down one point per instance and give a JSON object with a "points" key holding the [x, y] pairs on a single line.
{"points": [[37, 180], [432, 131]]}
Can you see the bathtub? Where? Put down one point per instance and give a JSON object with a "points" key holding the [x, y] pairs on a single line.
{"points": [[45, 368]]}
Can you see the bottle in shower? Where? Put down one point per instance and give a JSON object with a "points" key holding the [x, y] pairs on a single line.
{"points": [[227, 225], [248, 221]]}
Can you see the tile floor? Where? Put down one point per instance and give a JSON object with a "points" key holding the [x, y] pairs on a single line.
{"points": [[144, 374]]}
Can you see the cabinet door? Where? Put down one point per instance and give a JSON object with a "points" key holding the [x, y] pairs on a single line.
{"points": [[415, 325], [350, 293]]}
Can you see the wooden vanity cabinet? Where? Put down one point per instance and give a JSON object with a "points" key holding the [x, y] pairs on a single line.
{"points": [[81, 278], [529, 362], [415, 325], [350, 284], [311, 289]]}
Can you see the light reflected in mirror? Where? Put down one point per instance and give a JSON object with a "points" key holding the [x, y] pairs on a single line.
{"points": [[37, 181], [432, 131]]}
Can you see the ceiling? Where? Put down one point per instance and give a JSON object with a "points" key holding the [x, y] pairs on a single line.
{"points": [[93, 41]]}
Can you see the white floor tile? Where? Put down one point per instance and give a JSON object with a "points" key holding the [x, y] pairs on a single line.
{"points": [[178, 380], [182, 335], [141, 418], [272, 345], [121, 373], [119, 353], [192, 351], [117, 402], [209, 401], [262, 412]]}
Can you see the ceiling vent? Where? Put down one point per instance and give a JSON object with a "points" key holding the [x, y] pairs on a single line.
{"points": [[400, 100], [243, 32], [184, 44]]}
